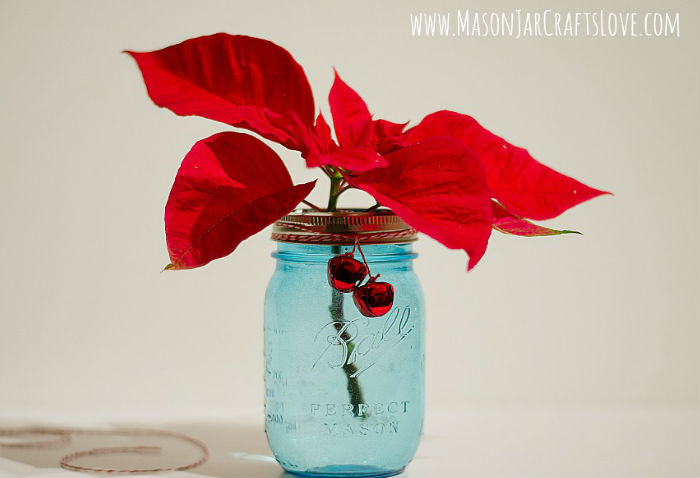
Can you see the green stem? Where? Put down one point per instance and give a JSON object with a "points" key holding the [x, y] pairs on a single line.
{"points": [[337, 315], [376, 206], [334, 193], [311, 205], [338, 318]]}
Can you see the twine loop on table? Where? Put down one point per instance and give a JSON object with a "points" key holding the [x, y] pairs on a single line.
{"points": [[62, 437]]}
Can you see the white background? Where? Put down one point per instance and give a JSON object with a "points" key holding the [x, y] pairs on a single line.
{"points": [[607, 320]]}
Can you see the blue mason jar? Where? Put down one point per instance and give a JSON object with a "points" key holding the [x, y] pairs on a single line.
{"points": [[344, 393]]}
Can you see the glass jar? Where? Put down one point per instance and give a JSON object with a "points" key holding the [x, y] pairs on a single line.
{"points": [[344, 393]]}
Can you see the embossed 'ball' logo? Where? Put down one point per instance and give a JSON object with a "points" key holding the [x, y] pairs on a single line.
{"points": [[362, 342]]}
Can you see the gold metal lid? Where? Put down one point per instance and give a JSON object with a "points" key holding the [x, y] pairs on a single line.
{"points": [[380, 226]]}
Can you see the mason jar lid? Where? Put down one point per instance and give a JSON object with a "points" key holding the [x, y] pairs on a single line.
{"points": [[344, 226]]}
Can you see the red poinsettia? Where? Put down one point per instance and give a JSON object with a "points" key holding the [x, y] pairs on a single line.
{"points": [[447, 177]]}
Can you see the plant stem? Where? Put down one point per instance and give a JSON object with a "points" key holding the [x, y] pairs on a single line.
{"points": [[333, 194], [311, 205], [337, 315], [338, 318], [376, 206]]}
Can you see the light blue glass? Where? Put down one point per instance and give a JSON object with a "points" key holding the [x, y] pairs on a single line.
{"points": [[344, 394]]}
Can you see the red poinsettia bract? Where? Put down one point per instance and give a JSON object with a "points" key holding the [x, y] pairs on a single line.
{"points": [[448, 177]]}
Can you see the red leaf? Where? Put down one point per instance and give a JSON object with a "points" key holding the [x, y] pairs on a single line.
{"points": [[509, 223], [438, 187], [384, 128], [351, 118], [229, 186], [322, 133], [516, 179], [358, 159], [387, 137], [242, 81]]}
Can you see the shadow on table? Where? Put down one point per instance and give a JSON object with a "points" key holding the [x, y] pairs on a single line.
{"points": [[236, 451]]}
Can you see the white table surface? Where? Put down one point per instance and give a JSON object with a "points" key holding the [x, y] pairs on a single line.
{"points": [[479, 442]]}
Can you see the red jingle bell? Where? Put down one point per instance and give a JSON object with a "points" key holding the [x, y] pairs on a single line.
{"points": [[374, 299], [345, 272]]}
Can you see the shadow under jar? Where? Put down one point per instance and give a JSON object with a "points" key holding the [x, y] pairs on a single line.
{"points": [[344, 393]]}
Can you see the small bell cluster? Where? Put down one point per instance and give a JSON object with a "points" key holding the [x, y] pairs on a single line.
{"points": [[346, 274]]}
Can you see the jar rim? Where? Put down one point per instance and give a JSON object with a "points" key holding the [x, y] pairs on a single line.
{"points": [[344, 226]]}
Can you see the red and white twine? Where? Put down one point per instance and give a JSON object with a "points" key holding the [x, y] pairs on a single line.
{"points": [[330, 238], [62, 437]]}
